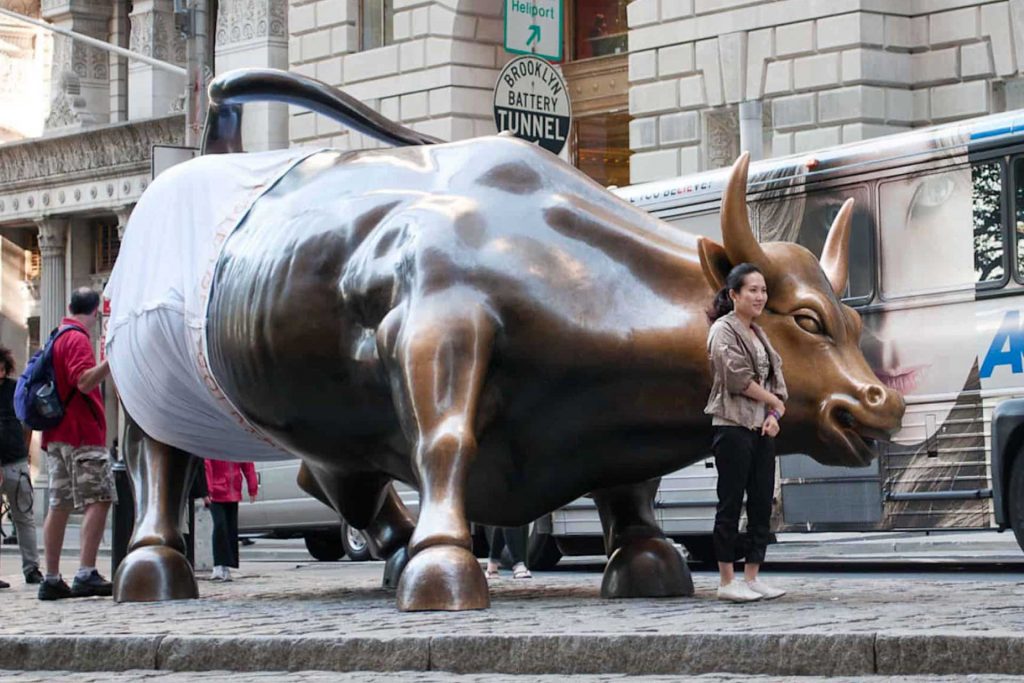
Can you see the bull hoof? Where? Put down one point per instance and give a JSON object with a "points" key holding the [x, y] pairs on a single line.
{"points": [[646, 568], [394, 567], [154, 573], [443, 577]]}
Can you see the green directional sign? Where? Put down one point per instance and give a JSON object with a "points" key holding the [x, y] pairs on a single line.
{"points": [[534, 27]]}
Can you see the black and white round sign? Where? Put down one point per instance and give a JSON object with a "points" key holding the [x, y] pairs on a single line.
{"points": [[532, 102]]}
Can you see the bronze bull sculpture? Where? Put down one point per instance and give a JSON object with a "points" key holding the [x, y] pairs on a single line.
{"points": [[481, 321]]}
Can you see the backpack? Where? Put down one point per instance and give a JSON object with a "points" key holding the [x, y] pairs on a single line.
{"points": [[36, 401]]}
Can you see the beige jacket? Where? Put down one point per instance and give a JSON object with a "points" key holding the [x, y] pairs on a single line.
{"points": [[733, 367]]}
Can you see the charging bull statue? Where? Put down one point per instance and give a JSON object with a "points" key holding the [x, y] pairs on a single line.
{"points": [[476, 319]]}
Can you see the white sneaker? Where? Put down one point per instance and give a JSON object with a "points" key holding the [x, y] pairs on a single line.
{"points": [[217, 574], [226, 576], [737, 591], [764, 590]]}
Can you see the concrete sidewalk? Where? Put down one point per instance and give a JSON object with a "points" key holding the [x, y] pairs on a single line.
{"points": [[334, 617]]}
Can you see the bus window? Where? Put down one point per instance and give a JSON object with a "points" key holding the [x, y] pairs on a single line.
{"points": [[1018, 232], [926, 234], [820, 210], [986, 194], [703, 224]]}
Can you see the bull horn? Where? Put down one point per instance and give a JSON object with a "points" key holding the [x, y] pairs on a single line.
{"points": [[737, 237], [835, 257]]}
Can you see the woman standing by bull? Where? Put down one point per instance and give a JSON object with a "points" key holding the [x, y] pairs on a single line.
{"points": [[746, 404]]}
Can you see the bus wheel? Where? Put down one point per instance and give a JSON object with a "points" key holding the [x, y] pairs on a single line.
{"points": [[1016, 503], [700, 548], [542, 552]]}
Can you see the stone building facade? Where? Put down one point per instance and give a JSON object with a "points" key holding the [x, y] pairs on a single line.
{"points": [[824, 73]]}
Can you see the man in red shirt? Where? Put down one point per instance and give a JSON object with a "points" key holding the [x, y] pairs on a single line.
{"points": [[77, 455]]}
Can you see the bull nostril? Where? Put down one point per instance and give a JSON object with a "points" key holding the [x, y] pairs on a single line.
{"points": [[874, 395]]}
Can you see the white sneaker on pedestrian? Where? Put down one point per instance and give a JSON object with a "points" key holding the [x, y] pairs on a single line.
{"points": [[226, 576], [737, 591], [217, 574], [764, 590]]}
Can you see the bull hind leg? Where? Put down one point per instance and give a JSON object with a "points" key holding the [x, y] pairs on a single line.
{"points": [[155, 567], [642, 563], [369, 503], [438, 358]]}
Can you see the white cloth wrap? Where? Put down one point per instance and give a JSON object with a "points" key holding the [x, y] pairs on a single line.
{"points": [[159, 291]]}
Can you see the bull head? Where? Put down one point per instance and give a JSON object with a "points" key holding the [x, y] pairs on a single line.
{"points": [[837, 406]]}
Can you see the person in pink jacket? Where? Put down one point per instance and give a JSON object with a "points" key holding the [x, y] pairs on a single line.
{"points": [[224, 486]]}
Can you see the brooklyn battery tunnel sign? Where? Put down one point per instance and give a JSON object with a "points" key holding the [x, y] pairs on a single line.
{"points": [[532, 102]]}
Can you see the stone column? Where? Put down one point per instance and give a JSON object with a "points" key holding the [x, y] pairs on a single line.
{"points": [[53, 232], [118, 64], [155, 92], [254, 33], [79, 82]]}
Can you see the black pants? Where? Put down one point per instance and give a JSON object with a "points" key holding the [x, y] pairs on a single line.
{"points": [[225, 534], [514, 537], [746, 464]]}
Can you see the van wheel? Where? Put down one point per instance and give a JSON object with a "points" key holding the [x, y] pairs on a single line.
{"points": [[356, 547], [1016, 502], [325, 546], [542, 553]]}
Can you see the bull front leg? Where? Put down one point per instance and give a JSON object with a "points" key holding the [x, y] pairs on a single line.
{"points": [[642, 563], [438, 359], [369, 503], [156, 568]]}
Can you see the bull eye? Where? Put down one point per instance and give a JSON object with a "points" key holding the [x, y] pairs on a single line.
{"points": [[809, 324]]}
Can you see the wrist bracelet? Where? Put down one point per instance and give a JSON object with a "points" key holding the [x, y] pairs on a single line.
{"points": [[774, 413]]}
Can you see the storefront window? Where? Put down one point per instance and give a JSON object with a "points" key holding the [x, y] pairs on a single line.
{"points": [[602, 147], [599, 28]]}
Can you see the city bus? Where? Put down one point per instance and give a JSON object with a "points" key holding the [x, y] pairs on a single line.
{"points": [[937, 275]]}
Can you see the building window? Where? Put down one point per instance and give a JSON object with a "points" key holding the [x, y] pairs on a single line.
{"points": [[376, 23], [108, 244], [602, 147], [599, 28]]}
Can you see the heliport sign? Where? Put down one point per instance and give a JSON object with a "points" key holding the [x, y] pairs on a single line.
{"points": [[532, 102], [534, 27]]}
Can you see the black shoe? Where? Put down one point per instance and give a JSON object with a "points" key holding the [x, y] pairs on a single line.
{"points": [[246, 541], [11, 540], [34, 576], [54, 590], [4, 584], [94, 585]]}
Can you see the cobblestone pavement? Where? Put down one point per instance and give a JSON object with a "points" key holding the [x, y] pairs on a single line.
{"points": [[342, 599], [287, 616]]}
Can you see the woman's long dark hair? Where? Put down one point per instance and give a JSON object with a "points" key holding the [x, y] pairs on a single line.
{"points": [[733, 282], [7, 359]]}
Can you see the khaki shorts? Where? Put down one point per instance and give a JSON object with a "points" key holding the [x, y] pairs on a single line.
{"points": [[79, 476]]}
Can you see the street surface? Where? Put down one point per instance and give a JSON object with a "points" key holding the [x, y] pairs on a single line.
{"points": [[852, 610]]}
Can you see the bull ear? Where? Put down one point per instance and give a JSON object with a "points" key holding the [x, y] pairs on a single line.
{"points": [[737, 236], [835, 257], [713, 262]]}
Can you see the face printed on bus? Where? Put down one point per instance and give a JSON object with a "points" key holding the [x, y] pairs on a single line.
{"points": [[926, 245]]}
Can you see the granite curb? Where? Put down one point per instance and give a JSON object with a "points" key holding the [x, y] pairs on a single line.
{"points": [[776, 654]]}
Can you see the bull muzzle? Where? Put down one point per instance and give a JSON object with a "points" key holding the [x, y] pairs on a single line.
{"points": [[854, 423]]}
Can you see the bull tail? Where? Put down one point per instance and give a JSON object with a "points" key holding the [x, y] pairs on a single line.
{"points": [[229, 91]]}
